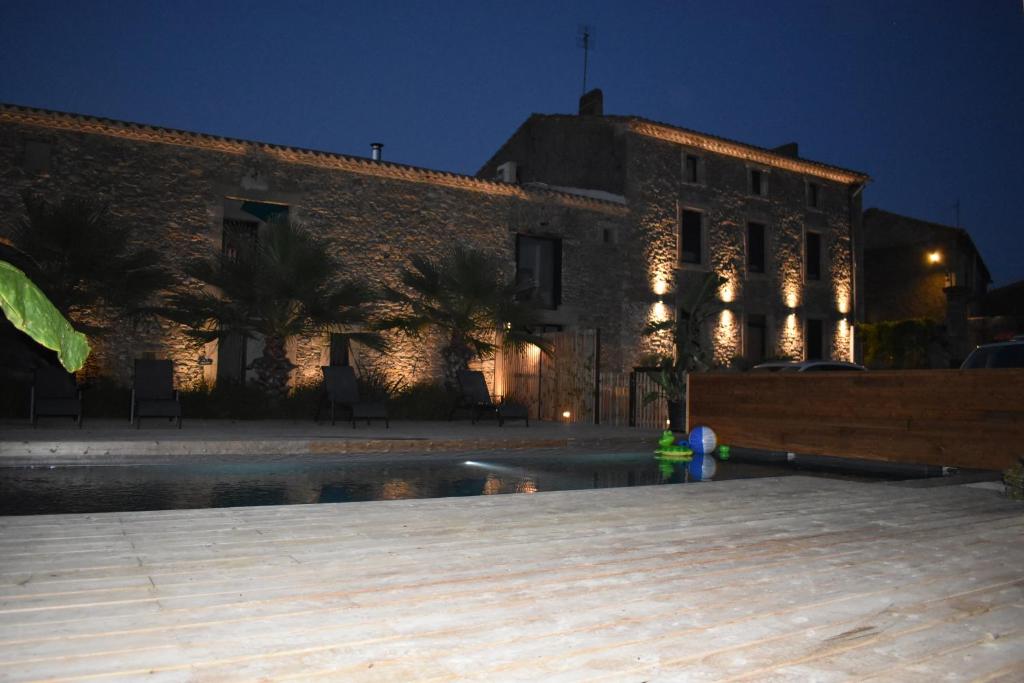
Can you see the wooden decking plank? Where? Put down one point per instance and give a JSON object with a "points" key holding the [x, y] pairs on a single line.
{"points": [[563, 584], [166, 599]]}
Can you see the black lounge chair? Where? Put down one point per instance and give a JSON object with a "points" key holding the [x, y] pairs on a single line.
{"points": [[153, 393], [341, 390], [474, 396], [54, 394]]}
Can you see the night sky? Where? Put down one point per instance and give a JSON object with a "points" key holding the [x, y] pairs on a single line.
{"points": [[925, 96]]}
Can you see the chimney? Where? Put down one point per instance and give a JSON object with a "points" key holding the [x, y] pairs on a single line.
{"points": [[375, 148], [592, 103], [790, 149]]}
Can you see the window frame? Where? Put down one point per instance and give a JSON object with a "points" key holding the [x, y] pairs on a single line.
{"points": [[820, 339], [765, 180], [556, 262], [702, 253], [813, 189], [698, 167], [765, 337], [764, 248], [807, 259]]}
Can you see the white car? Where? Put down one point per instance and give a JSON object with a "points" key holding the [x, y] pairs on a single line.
{"points": [[1008, 354], [807, 366]]}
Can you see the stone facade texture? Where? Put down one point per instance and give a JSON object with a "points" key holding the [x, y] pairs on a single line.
{"points": [[645, 163], [171, 188], [609, 188]]}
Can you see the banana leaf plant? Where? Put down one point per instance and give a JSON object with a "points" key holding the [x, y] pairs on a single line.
{"points": [[29, 310]]}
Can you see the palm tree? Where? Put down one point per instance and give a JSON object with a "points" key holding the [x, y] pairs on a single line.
{"points": [[86, 263], [463, 300], [689, 354], [281, 286]]}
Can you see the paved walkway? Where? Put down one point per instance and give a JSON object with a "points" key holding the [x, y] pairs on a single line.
{"points": [[783, 579], [57, 441]]}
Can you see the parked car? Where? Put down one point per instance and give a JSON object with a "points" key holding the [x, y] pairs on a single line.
{"points": [[1008, 354], [807, 366]]}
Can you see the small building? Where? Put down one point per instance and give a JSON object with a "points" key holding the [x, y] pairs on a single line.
{"points": [[1000, 316], [916, 269]]}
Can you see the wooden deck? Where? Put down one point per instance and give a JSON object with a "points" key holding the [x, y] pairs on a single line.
{"points": [[769, 579]]}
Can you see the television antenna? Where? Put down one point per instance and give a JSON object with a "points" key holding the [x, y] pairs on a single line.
{"points": [[585, 40]]}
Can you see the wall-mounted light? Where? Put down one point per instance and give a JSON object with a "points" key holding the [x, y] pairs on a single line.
{"points": [[566, 414], [934, 257], [727, 294]]}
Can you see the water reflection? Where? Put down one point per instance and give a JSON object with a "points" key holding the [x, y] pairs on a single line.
{"points": [[240, 482]]}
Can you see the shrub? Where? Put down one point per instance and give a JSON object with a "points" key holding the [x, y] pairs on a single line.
{"points": [[422, 401]]}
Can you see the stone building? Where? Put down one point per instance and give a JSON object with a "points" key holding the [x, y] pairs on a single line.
{"points": [[781, 230], [609, 217], [190, 194], [917, 269]]}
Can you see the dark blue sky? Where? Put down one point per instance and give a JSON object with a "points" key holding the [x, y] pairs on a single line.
{"points": [[926, 96]]}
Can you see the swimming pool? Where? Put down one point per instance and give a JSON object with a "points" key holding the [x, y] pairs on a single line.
{"points": [[237, 481]]}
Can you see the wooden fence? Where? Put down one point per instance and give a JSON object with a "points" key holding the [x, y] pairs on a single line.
{"points": [[570, 381], [550, 386], [971, 419]]}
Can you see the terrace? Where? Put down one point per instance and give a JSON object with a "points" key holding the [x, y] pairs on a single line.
{"points": [[789, 578]]}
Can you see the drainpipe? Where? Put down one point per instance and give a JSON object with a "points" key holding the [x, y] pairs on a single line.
{"points": [[856, 235]]}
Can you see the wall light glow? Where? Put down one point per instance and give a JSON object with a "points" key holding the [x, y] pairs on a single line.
{"points": [[935, 257], [727, 337], [727, 293], [842, 340], [790, 339], [659, 312]]}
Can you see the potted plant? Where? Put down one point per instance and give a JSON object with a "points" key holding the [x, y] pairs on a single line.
{"points": [[670, 372]]}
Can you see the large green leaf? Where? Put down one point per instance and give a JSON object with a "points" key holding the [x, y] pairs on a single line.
{"points": [[30, 311]]}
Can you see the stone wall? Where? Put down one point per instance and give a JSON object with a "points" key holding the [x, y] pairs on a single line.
{"points": [[644, 161], [171, 188], [656, 191]]}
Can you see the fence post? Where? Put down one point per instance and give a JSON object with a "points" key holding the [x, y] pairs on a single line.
{"points": [[597, 376], [632, 398]]}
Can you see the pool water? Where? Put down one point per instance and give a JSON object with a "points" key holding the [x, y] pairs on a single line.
{"points": [[231, 482]]}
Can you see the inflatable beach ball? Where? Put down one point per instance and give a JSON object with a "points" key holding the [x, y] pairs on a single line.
{"points": [[702, 468], [702, 440]]}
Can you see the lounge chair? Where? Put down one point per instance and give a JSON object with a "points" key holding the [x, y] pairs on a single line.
{"points": [[54, 393], [153, 393], [341, 390], [474, 396]]}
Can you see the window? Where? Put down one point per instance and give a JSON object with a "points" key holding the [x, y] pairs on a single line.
{"points": [[539, 270], [239, 235], [755, 247], [756, 338], [815, 338], [242, 223], [812, 247], [758, 183], [813, 195], [691, 168], [690, 224]]}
